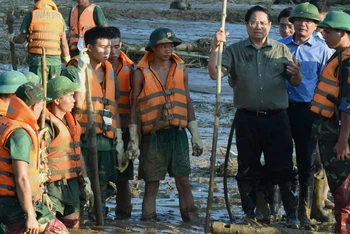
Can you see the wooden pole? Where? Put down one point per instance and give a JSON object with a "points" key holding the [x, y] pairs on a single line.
{"points": [[216, 125], [9, 22], [91, 131]]}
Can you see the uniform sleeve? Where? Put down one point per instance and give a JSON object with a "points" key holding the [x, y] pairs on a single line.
{"points": [[25, 23], [227, 61], [70, 72], [117, 91], [99, 17], [20, 144]]}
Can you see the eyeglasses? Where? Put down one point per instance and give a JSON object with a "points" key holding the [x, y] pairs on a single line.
{"points": [[303, 20], [256, 23]]}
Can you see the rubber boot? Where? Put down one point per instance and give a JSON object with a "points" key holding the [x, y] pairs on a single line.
{"points": [[262, 206], [318, 211], [342, 207], [275, 204], [123, 212], [289, 198], [304, 207], [190, 215], [248, 198]]}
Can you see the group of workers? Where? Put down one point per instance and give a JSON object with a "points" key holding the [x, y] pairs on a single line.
{"points": [[142, 110]]}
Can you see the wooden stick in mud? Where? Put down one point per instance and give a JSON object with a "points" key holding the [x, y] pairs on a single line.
{"points": [[9, 22], [216, 125], [219, 227], [91, 131]]}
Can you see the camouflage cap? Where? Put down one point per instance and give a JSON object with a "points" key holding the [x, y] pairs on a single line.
{"points": [[60, 86], [31, 93], [337, 20], [32, 77], [162, 36]]}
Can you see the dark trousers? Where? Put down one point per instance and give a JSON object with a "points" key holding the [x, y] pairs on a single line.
{"points": [[301, 119], [268, 134]]}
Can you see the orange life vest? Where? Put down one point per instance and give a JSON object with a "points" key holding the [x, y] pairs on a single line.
{"points": [[124, 75], [45, 29], [78, 25], [103, 101], [162, 106], [64, 151], [19, 116], [328, 84], [3, 107]]}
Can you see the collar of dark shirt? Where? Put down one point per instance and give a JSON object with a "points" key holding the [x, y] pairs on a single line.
{"points": [[248, 42]]}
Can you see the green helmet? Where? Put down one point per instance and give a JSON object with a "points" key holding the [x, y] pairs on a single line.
{"points": [[32, 77], [60, 86], [10, 81], [337, 20], [306, 11], [161, 36]]}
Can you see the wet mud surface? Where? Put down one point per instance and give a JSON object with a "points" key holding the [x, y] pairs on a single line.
{"points": [[137, 19]]}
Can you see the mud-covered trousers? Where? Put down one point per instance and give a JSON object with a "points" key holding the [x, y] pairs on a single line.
{"points": [[268, 133], [338, 172]]}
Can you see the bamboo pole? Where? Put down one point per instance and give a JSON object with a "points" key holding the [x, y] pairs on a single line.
{"points": [[216, 125]]}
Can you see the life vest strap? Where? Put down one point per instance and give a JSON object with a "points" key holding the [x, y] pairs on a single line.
{"points": [[166, 92], [75, 157]]}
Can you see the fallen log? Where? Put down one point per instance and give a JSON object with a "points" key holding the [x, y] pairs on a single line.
{"points": [[219, 227]]}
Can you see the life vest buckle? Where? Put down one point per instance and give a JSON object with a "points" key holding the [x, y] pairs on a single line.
{"points": [[168, 105], [168, 117], [168, 92]]}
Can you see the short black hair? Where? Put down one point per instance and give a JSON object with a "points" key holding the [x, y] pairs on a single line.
{"points": [[285, 13], [254, 9], [92, 35], [114, 32], [322, 5]]}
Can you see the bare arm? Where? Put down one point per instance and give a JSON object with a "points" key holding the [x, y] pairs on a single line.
{"points": [[190, 109], [83, 165], [342, 146], [20, 39], [24, 193], [136, 90], [220, 36], [64, 45]]}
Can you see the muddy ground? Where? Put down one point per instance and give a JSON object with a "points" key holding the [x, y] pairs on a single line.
{"points": [[137, 19]]}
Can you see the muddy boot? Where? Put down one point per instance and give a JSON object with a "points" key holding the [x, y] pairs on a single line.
{"points": [[342, 207], [317, 209], [248, 198], [262, 207], [275, 204], [190, 215], [151, 218], [123, 212], [289, 198], [304, 207]]}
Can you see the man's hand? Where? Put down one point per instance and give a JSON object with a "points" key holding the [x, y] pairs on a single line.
{"points": [[83, 59], [42, 133], [197, 145], [220, 36], [31, 225], [123, 161], [133, 146], [294, 68], [83, 62], [342, 150], [86, 192]]}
